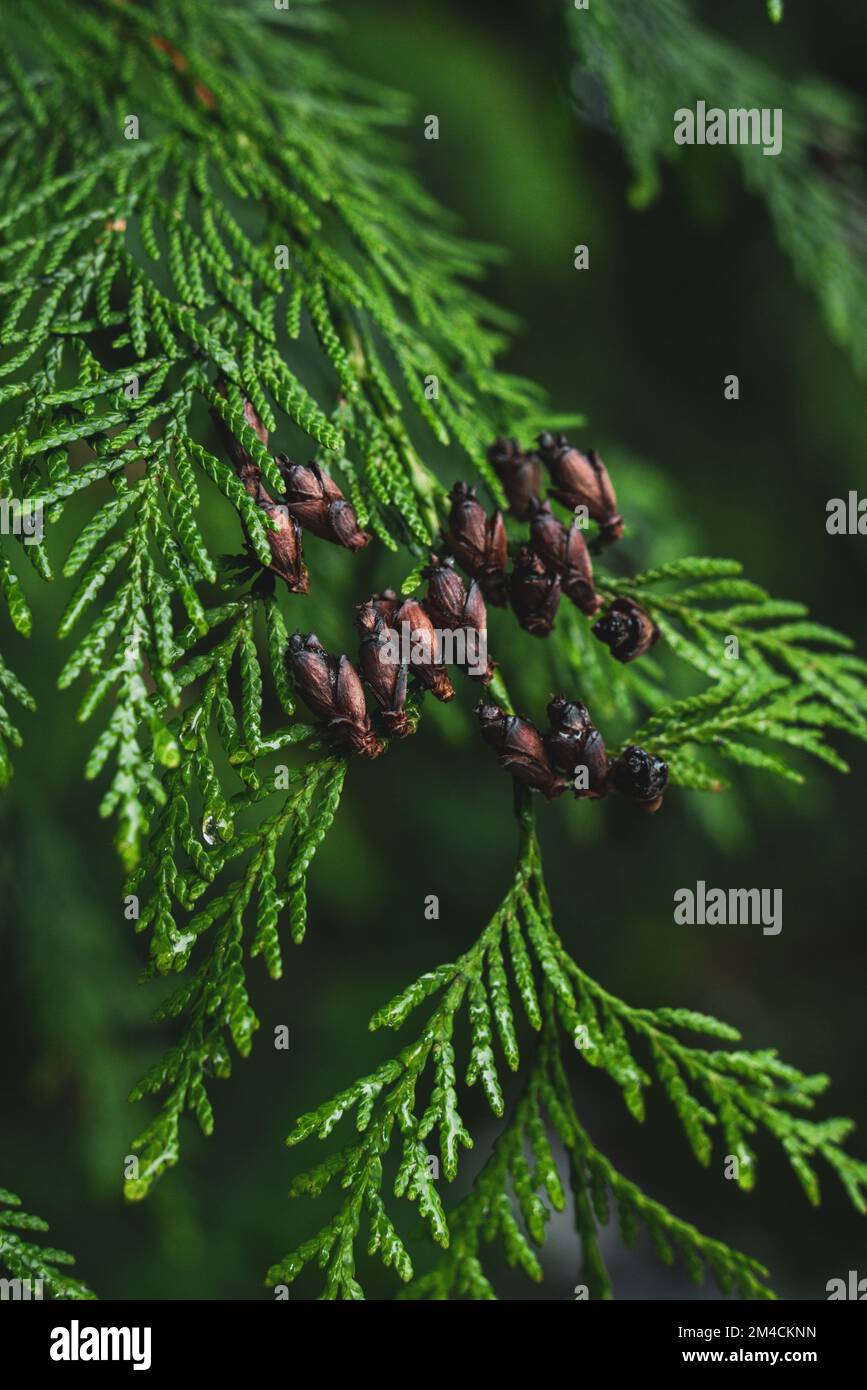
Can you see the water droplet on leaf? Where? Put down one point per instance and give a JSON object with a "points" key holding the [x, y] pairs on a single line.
{"points": [[216, 827]]}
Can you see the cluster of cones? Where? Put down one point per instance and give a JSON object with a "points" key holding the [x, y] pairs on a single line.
{"points": [[571, 754], [556, 560], [332, 687], [312, 502]]}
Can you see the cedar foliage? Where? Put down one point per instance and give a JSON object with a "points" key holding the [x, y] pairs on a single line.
{"points": [[258, 238], [40, 1267], [653, 59]]}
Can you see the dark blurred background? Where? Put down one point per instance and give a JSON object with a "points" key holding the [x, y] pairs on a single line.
{"points": [[677, 297]]}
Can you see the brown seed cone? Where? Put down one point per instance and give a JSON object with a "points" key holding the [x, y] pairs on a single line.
{"points": [[454, 607], [315, 500], [385, 605], [595, 759], [575, 743], [479, 543], [626, 629], [519, 748], [534, 593], [640, 776], [285, 540], [412, 621], [582, 480], [564, 552], [385, 676], [520, 474], [571, 726], [331, 688]]}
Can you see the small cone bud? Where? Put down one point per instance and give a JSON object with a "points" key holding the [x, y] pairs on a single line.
{"points": [[411, 618], [479, 543], [626, 629], [385, 676], [317, 503], [534, 593], [574, 743], [454, 607], [519, 748], [520, 474], [564, 552], [582, 480], [331, 688], [640, 776], [284, 537]]}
